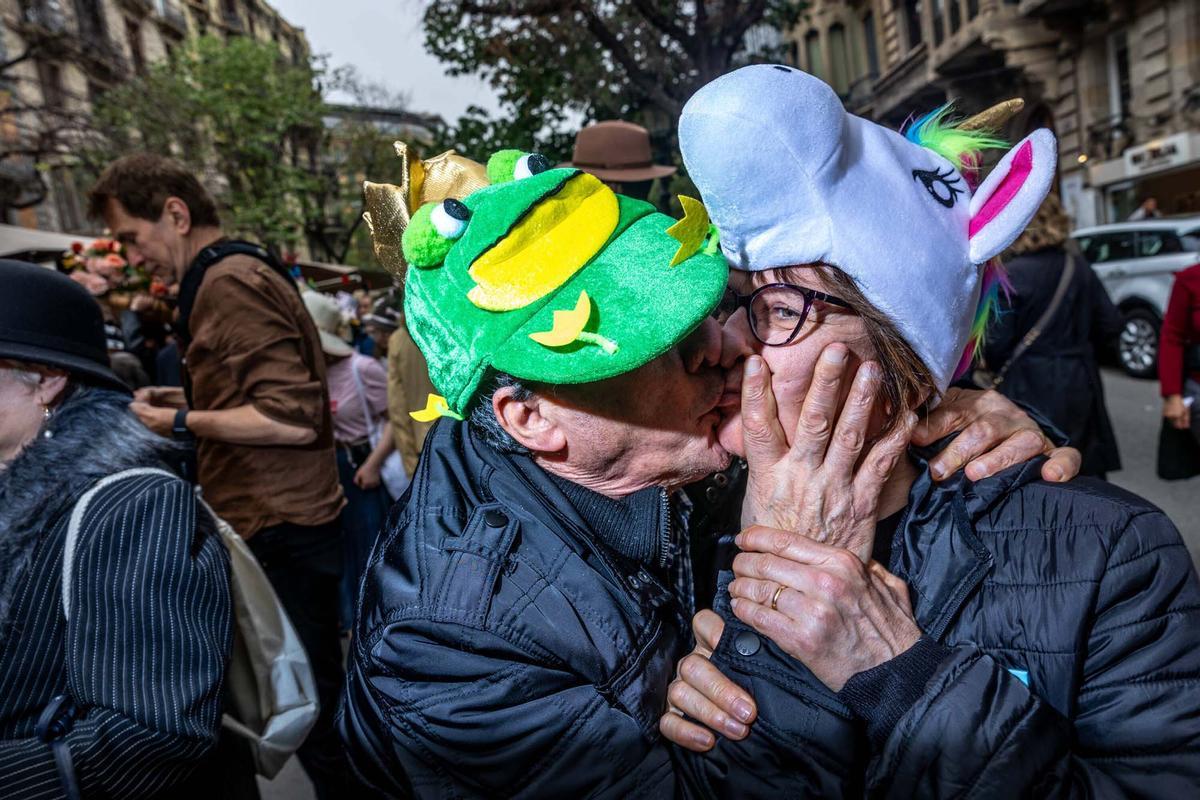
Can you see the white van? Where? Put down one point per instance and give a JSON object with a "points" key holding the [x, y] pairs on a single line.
{"points": [[1137, 261]]}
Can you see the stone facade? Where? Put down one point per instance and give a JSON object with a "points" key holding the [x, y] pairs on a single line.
{"points": [[1118, 81], [82, 47]]}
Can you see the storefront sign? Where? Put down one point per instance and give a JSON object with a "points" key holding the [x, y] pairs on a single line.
{"points": [[1159, 154]]}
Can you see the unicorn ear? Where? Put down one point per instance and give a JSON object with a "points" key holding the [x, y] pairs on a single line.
{"points": [[1007, 200]]}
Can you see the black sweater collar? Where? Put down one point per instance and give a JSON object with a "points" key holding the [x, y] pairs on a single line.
{"points": [[634, 526]]}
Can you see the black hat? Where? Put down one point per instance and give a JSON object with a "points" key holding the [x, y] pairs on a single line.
{"points": [[47, 318]]}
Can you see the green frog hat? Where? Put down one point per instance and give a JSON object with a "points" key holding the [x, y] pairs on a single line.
{"points": [[550, 276]]}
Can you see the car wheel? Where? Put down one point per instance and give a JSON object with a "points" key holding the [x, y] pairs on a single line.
{"points": [[1138, 344]]}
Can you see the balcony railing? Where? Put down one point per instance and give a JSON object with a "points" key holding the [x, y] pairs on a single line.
{"points": [[172, 15], [1110, 137]]}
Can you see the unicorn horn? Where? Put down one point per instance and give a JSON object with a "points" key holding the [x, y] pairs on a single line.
{"points": [[994, 118]]}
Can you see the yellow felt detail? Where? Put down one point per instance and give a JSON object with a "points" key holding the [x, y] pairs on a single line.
{"points": [[553, 242], [689, 231], [567, 324], [435, 406]]}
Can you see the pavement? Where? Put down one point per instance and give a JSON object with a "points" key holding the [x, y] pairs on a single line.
{"points": [[1136, 410]]}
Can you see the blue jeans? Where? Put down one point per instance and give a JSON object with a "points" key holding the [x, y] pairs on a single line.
{"points": [[362, 519]]}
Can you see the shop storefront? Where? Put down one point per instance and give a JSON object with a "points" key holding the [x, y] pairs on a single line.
{"points": [[1167, 169]]}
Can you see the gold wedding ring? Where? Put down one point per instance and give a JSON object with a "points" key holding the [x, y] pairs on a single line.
{"points": [[775, 598]]}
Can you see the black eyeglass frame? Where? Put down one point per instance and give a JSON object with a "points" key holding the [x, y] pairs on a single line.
{"points": [[747, 300]]}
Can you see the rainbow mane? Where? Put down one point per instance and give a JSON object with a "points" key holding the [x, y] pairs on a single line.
{"points": [[964, 149]]}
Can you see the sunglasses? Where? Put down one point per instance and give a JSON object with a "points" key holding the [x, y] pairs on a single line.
{"points": [[776, 311]]}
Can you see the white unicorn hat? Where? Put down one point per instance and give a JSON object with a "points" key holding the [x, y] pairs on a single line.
{"points": [[789, 178]]}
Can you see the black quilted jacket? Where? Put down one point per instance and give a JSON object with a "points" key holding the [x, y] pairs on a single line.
{"points": [[1072, 617]]}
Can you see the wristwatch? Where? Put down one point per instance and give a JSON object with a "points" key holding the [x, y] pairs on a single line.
{"points": [[179, 430]]}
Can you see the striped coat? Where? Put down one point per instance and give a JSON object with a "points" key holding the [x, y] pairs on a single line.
{"points": [[145, 650]]}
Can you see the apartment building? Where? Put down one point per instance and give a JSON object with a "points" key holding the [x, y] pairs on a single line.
{"points": [[59, 55], [1118, 82]]}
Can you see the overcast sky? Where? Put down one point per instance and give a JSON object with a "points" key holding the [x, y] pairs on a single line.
{"points": [[383, 38]]}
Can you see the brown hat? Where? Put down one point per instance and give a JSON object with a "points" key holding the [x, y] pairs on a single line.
{"points": [[616, 151]]}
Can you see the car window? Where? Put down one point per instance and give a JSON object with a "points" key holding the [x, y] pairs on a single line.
{"points": [[1158, 243], [1191, 241], [1103, 247]]}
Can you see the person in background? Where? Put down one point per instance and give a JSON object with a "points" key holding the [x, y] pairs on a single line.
{"points": [[382, 322], [1057, 373], [1147, 210], [619, 154], [409, 387], [360, 338], [141, 656], [358, 400], [1179, 353], [255, 403]]}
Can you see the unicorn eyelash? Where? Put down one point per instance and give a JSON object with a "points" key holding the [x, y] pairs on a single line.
{"points": [[931, 178]]}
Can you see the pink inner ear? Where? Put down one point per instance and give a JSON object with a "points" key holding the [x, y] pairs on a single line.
{"points": [[1018, 171]]}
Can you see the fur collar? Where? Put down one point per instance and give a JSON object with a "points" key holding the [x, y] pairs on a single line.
{"points": [[94, 435]]}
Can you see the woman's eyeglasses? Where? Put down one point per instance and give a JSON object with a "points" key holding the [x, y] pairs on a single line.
{"points": [[776, 311]]}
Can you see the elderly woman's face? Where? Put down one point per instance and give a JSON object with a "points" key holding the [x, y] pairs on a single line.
{"points": [[21, 412], [791, 365]]}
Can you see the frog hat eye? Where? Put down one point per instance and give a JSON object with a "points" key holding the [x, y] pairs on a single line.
{"points": [[433, 231], [513, 165]]}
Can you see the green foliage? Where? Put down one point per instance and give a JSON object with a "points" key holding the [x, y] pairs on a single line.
{"points": [[253, 124], [557, 64], [235, 107]]}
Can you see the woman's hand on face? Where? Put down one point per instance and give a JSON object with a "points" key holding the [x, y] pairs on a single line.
{"points": [[701, 701], [820, 486], [820, 604], [995, 435], [1178, 414]]}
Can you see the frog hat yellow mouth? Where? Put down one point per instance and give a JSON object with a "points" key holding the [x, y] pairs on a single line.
{"points": [[549, 276], [561, 232]]}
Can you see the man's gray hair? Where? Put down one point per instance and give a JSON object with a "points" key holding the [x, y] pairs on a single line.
{"points": [[482, 418]]}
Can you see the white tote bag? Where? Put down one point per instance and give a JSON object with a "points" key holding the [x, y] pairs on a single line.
{"points": [[271, 686], [395, 480]]}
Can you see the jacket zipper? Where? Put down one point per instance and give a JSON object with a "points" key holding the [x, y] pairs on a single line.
{"points": [[664, 536]]}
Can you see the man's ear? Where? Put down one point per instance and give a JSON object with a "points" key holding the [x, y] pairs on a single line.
{"points": [[526, 421], [178, 215]]}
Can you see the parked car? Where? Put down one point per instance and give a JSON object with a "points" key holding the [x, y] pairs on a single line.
{"points": [[1137, 261]]}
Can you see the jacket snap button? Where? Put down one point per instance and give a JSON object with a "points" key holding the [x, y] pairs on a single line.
{"points": [[634, 582], [495, 519], [746, 643]]}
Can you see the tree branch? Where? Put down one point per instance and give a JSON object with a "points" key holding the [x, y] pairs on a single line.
{"points": [[532, 8], [664, 23], [645, 81]]}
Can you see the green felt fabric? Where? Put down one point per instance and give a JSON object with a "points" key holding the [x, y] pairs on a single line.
{"points": [[640, 302]]}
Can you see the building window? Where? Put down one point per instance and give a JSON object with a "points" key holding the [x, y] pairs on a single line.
{"points": [[794, 53], [50, 76], [955, 16], [91, 18], [912, 22], [839, 59], [1120, 88], [939, 11], [812, 53], [133, 34], [868, 28]]}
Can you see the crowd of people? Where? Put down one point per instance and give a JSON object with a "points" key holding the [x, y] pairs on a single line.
{"points": [[595, 500]]}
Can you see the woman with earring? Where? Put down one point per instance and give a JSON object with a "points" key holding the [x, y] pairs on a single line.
{"points": [[115, 617]]}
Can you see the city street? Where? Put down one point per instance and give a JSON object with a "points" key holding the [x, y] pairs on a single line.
{"points": [[1135, 408]]}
